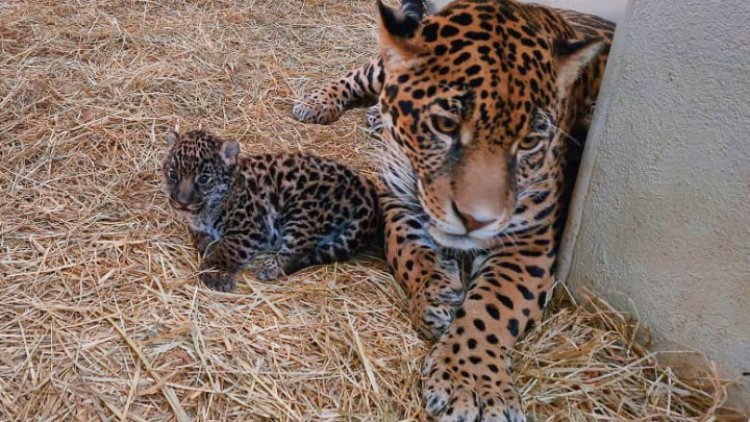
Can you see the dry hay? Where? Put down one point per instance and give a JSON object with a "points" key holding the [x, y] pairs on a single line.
{"points": [[101, 316]]}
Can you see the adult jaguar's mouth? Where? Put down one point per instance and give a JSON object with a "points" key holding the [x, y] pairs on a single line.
{"points": [[464, 242], [455, 234]]}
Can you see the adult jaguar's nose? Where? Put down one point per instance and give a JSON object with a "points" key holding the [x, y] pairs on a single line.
{"points": [[471, 222]]}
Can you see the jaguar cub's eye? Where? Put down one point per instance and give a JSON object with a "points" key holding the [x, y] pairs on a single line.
{"points": [[203, 179], [445, 125], [172, 175]]}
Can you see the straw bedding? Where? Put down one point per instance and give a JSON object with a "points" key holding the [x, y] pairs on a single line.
{"points": [[101, 316]]}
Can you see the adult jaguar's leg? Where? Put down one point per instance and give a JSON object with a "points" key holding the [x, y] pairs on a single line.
{"points": [[358, 88], [432, 281], [468, 370]]}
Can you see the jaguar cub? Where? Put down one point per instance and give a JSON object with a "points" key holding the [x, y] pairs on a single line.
{"points": [[303, 209]]}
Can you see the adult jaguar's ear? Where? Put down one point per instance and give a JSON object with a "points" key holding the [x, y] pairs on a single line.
{"points": [[172, 137], [230, 149], [399, 32], [571, 56]]}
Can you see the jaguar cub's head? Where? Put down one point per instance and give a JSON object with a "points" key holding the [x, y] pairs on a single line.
{"points": [[197, 170]]}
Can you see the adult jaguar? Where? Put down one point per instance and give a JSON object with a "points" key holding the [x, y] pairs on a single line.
{"points": [[485, 106]]}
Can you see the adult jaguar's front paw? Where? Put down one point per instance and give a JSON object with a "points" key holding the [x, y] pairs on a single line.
{"points": [[433, 303], [217, 280], [319, 107], [463, 382]]}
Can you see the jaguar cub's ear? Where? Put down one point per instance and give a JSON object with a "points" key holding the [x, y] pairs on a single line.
{"points": [[172, 137], [571, 56], [399, 30], [230, 149]]}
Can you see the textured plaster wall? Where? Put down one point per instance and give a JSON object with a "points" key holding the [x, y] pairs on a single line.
{"points": [[661, 218]]}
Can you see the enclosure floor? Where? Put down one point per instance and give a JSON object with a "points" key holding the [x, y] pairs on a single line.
{"points": [[101, 315]]}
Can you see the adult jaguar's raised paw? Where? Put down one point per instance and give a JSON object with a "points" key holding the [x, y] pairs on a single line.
{"points": [[459, 384], [318, 107]]}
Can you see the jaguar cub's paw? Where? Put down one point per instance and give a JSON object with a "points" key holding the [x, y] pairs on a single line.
{"points": [[465, 384], [217, 280], [319, 107], [202, 245], [269, 270]]}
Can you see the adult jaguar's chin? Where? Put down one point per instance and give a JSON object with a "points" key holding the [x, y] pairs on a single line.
{"points": [[463, 242]]}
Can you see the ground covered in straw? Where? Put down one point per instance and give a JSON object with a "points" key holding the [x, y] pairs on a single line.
{"points": [[101, 317]]}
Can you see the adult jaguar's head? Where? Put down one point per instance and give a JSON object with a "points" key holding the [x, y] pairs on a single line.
{"points": [[476, 101], [197, 170]]}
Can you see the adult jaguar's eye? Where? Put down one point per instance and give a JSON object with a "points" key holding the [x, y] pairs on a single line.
{"points": [[445, 125], [541, 123], [540, 126], [530, 141], [203, 179]]}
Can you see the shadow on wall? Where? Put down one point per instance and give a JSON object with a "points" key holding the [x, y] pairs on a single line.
{"points": [[608, 9]]}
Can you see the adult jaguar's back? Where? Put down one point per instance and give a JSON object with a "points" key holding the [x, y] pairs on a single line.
{"points": [[484, 108]]}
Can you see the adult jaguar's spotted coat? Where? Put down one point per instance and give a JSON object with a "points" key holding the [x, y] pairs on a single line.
{"points": [[304, 209], [485, 106]]}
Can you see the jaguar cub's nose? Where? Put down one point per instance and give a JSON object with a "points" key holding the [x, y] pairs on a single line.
{"points": [[182, 204], [183, 195], [469, 221]]}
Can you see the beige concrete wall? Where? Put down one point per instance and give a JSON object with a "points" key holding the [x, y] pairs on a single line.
{"points": [[661, 218]]}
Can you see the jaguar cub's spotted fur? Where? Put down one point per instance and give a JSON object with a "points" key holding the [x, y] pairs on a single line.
{"points": [[304, 209]]}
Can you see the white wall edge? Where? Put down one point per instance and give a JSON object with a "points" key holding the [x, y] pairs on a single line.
{"points": [[581, 190]]}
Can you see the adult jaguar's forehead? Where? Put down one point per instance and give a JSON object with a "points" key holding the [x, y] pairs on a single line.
{"points": [[479, 20], [487, 47], [486, 52]]}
